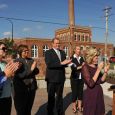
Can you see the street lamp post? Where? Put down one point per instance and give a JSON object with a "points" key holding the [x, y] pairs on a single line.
{"points": [[11, 22], [12, 29]]}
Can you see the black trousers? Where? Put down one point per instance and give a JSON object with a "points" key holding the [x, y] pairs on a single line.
{"points": [[5, 106], [52, 89], [77, 89], [23, 102]]}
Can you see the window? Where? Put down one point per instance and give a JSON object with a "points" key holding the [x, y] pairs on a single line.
{"points": [[34, 51], [45, 48], [78, 37], [82, 38], [66, 49], [75, 37], [86, 38]]}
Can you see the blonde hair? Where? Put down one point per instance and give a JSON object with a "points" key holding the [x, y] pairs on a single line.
{"points": [[91, 52]]}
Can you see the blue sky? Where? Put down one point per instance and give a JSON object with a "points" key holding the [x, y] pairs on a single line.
{"points": [[87, 13]]}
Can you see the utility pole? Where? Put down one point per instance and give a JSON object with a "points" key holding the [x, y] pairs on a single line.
{"points": [[107, 10]]}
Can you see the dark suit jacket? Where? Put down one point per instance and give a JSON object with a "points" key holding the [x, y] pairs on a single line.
{"points": [[75, 72], [24, 78], [55, 72]]}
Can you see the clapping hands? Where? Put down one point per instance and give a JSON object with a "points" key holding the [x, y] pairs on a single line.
{"points": [[106, 68], [100, 66], [34, 65], [11, 68], [66, 61]]}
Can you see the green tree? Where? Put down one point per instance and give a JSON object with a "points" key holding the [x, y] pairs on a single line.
{"points": [[11, 47]]}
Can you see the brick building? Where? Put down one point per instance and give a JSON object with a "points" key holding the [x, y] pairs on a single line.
{"points": [[69, 36], [81, 36]]}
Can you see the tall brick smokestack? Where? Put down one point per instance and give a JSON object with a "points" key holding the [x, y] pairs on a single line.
{"points": [[71, 13]]}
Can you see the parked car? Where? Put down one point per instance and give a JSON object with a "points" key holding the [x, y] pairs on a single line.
{"points": [[112, 59]]}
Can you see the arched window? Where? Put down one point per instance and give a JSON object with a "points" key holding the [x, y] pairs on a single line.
{"points": [[82, 37], [34, 51], [86, 38], [78, 37], [75, 37], [45, 48], [66, 49]]}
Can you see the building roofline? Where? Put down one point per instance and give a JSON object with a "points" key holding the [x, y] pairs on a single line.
{"points": [[29, 38], [77, 27]]}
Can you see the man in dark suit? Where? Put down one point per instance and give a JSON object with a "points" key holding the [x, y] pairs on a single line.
{"points": [[55, 76]]}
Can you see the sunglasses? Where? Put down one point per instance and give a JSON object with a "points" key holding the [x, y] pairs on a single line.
{"points": [[4, 49]]}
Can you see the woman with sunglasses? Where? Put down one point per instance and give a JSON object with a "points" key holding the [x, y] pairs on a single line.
{"points": [[6, 71]]}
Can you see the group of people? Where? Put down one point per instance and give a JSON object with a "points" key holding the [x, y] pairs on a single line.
{"points": [[17, 79], [85, 70], [20, 73]]}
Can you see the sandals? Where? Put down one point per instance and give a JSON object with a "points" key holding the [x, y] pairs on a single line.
{"points": [[74, 110], [80, 110]]}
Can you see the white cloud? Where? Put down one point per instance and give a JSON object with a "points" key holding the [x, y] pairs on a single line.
{"points": [[26, 29], [2, 6], [7, 33]]}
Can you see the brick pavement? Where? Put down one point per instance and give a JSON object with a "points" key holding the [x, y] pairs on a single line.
{"points": [[39, 107]]}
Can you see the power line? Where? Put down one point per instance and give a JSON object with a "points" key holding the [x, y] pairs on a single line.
{"points": [[102, 28], [29, 20]]}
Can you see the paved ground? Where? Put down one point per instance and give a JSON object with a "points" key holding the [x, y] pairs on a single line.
{"points": [[39, 107]]}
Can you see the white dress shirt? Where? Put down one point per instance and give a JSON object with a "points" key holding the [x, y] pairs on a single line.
{"points": [[58, 53], [78, 59]]}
